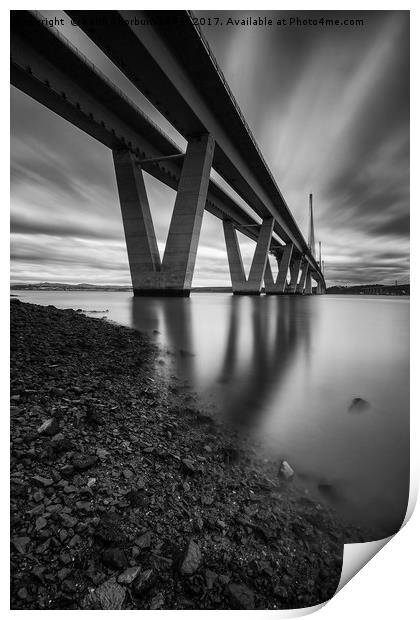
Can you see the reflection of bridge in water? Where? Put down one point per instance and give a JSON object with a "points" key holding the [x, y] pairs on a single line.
{"points": [[240, 358]]}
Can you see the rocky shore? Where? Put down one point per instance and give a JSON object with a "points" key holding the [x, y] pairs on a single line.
{"points": [[124, 495]]}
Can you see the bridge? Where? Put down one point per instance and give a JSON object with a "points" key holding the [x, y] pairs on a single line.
{"points": [[166, 57]]}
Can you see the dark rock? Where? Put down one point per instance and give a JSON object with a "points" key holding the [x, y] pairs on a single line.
{"points": [[129, 575], [109, 595], [191, 558], [144, 541], [157, 601], [49, 427], [110, 529], [358, 405], [144, 582], [241, 597], [40, 480], [21, 543], [82, 462], [114, 558]]}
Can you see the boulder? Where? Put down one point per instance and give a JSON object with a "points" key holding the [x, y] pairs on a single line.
{"points": [[191, 559]]}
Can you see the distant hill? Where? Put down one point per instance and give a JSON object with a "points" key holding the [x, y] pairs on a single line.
{"points": [[370, 289], [59, 286]]}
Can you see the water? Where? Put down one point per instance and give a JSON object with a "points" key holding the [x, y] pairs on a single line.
{"points": [[287, 369]]}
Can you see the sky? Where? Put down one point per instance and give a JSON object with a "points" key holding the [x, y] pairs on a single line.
{"points": [[329, 109]]}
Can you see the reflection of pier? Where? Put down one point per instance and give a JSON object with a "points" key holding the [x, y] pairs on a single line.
{"points": [[262, 339]]}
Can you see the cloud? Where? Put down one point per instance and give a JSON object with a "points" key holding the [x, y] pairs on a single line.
{"points": [[330, 111]]}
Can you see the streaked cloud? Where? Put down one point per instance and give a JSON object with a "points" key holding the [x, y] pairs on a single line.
{"points": [[330, 111]]}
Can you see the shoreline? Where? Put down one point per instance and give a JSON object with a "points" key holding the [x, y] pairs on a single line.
{"points": [[125, 495]]}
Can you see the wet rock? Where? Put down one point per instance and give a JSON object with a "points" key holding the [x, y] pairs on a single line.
{"points": [[115, 558], [67, 470], [129, 575], [285, 471], [21, 543], [82, 462], [210, 577], [144, 582], [109, 595], [241, 597], [144, 541], [40, 480], [358, 405], [49, 427], [110, 529], [157, 601], [191, 559]]}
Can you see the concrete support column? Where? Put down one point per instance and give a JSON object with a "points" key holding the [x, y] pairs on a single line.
{"points": [[184, 231], [294, 274], [142, 249], [279, 285], [174, 275], [301, 286], [236, 266], [252, 285], [308, 284]]}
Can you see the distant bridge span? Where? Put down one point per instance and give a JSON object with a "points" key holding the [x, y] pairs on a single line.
{"points": [[175, 69]]}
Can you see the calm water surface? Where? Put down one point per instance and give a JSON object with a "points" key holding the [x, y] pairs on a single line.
{"points": [[288, 369]]}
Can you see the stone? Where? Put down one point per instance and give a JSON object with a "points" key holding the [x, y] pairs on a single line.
{"points": [[241, 597], [188, 466], [68, 520], [40, 523], [49, 427], [45, 482], [157, 601], [109, 529], [21, 543], [210, 577], [67, 470], [144, 582], [191, 559], [129, 575], [285, 471], [109, 595], [144, 541], [114, 558], [82, 462]]}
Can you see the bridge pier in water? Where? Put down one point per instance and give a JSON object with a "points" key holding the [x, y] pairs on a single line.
{"points": [[279, 286], [173, 275], [241, 285]]}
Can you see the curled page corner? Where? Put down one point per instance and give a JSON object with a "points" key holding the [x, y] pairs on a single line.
{"points": [[356, 555]]}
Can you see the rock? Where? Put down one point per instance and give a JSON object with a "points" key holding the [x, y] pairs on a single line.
{"points": [[144, 582], [285, 471], [188, 466], [63, 573], [68, 520], [110, 530], [358, 405], [45, 482], [129, 575], [21, 543], [115, 558], [191, 559], [128, 474], [210, 577], [67, 470], [40, 523], [157, 601], [109, 595], [241, 597], [22, 593], [144, 541], [82, 462], [49, 427]]}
